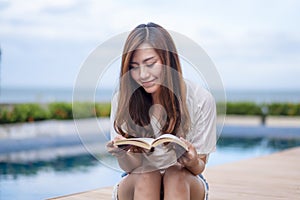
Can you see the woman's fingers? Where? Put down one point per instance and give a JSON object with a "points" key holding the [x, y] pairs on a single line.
{"points": [[183, 160], [114, 150], [190, 156]]}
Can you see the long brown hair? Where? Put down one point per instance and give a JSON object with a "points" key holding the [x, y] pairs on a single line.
{"points": [[132, 116]]}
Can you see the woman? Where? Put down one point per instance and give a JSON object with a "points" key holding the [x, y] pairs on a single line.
{"points": [[154, 99]]}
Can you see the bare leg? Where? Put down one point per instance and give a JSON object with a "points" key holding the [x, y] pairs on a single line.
{"points": [[144, 186], [179, 183]]}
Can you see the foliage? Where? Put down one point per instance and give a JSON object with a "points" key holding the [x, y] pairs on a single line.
{"points": [[275, 109], [23, 113], [288, 109], [28, 112], [60, 110], [243, 108], [102, 109]]}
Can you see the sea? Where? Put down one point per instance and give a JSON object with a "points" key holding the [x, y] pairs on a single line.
{"points": [[46, 95]]}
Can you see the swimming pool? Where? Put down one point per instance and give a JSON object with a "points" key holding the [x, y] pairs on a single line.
{"points": [[65, 175]]}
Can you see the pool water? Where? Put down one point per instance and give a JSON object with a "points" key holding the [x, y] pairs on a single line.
{"points": [[62, 176]]}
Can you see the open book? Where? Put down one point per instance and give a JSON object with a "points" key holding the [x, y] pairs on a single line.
{"points": [[149, 143]]}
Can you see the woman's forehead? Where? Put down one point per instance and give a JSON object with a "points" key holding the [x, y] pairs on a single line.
{"points": [[143, 55]]}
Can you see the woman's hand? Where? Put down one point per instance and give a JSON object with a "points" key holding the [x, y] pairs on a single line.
{"points": [[190, 157], [127, 160], [191, 160], [115, 150]]}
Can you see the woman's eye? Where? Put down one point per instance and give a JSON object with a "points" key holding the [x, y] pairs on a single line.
{"points": [[133, 68], [151, 65]]}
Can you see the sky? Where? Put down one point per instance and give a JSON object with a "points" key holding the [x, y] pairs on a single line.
{"points": [[253, 44]]}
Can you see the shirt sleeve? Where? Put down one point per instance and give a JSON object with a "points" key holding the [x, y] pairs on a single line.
{"points": [[203, 121]]}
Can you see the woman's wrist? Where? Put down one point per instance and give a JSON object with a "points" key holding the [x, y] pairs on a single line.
{"points": [[196, 168]]}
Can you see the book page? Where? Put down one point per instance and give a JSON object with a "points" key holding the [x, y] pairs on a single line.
{"points": [[140, 142], [169, 138]]}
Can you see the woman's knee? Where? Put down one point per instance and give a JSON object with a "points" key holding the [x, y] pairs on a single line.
{"points": [[148, 186], [148, 178], [139, 183], [176, 184], [175, 174]]}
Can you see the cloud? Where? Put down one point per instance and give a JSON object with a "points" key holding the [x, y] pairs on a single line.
{"points": [[62, 20], [71, 19]]}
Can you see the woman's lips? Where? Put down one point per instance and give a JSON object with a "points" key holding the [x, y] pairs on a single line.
{"points": [[147, 84]]}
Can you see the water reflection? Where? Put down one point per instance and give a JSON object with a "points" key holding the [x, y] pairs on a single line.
{"points": [[84, 161], [52, 178], [67, 164], [42, 178]]}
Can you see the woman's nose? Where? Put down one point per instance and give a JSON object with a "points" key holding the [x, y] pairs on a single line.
{"points": [[144, 73]]}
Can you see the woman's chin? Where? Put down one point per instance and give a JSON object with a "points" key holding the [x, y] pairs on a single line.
{"points": [[151, 89]]}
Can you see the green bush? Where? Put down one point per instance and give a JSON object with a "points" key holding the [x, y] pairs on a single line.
{"points": [[275, 109], [243, 108], [102, 109], [61, 110], [6, 115], [79, 110], [28, 112], [288, 109], [83, 110], [23, 113]]}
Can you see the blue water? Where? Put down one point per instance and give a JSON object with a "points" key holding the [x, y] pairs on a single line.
{"points": [[46, 179], [67, 175], [41, 95]]}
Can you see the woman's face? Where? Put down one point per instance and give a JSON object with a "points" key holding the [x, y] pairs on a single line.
{"points": [[146, 68]]}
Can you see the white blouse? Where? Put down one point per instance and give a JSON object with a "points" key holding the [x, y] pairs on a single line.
{"points": [[202, 109]]}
